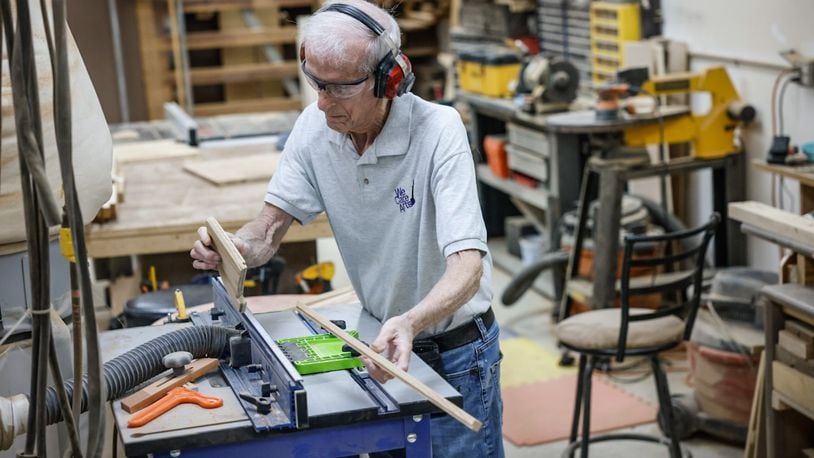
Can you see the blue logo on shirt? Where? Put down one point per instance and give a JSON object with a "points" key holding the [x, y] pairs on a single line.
{"points": [[402, 200]]}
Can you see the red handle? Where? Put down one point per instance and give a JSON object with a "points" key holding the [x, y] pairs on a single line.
{"points": [[174, 397]]}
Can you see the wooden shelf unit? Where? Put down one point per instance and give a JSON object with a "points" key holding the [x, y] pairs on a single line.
{"points": [[249, 81]]}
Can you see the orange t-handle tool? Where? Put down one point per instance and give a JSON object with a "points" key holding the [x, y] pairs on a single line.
{"points": [[174, 397]]}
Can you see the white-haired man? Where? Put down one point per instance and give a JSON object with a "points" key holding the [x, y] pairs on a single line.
{"points": [[396, 178]]}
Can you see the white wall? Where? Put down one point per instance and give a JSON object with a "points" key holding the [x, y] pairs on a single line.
{"points": [[751, 31], [327, 250]]}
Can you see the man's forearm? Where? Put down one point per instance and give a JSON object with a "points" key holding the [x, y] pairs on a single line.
{"points": [[263, 235], [460, 282]]}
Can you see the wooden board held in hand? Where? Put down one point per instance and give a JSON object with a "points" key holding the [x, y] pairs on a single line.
{"points": [[232, 267], [239, 169]]}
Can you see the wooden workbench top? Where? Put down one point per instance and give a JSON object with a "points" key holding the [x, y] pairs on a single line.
{"points": [[803, 173], [164, 204]]}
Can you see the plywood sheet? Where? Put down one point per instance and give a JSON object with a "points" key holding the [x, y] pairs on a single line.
{"points": [[91, 139], [257, 167]]}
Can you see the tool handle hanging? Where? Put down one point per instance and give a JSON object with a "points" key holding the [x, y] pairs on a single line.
{"points": [[439, 401]]}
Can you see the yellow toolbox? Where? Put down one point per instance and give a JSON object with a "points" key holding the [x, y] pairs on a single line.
{"points": [[488, 73]]}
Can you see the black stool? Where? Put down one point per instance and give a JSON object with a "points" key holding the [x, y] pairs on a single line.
{"points": [[672, 263]]}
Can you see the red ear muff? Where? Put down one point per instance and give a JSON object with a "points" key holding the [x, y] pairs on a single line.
{"points": [[397, 79], [394, 79], [390, 78]]}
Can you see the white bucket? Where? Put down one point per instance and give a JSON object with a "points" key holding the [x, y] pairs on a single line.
{"points": [[532, 248]]}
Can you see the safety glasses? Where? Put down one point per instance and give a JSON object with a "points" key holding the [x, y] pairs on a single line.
{"points": [[333, 89]]}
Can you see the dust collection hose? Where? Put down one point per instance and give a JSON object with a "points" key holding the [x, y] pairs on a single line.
{"points": [[121, 374]]}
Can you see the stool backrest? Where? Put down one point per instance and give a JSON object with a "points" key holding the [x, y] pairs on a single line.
{"points": [[670, 263]]}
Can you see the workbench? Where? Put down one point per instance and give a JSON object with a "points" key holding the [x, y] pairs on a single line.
{"points": [[559, 194], [499, 197], [164, 205], [788, 381], [344, 419], [804, 175], [572, 138], [576, 144]]}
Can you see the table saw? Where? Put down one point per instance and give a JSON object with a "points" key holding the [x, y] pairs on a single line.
{"points": [[335, 413]]}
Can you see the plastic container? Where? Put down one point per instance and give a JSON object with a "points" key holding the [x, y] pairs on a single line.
{"points": [[724, 382], [532, 248], [808, 150], [495, 148]]}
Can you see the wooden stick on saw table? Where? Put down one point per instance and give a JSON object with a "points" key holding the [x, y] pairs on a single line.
{"points": [[442, 403], [156, 390], [232, 267]]}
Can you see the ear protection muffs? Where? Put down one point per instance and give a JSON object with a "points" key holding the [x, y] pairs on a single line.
{"points": [[393, 75]]}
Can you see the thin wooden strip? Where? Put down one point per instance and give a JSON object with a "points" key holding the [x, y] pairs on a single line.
{"points": [[206, 6], [232, 39], [243, 72], [439, 401], [756, 418], [177, 58], [154, 391], [153, 68], [249, 106]]}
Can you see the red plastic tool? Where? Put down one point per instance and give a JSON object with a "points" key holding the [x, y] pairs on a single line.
{"points": [[174, 397]]}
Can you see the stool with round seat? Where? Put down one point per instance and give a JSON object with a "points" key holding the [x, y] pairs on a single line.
{"points": [[675, 271]]}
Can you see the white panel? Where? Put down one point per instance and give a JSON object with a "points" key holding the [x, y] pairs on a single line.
{"points": [[746, 29], [751, 30], [327, 250]]}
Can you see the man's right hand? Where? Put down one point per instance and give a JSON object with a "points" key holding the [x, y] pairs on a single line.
{"points": [[204, 256]]}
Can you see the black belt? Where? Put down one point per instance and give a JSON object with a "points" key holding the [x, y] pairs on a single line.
{"points": [[463, 334]]}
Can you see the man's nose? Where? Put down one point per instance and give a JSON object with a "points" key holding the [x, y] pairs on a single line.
{"points": [[324, 101]]}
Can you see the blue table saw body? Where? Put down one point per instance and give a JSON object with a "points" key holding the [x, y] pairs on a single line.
{"points": [[336, 413]]}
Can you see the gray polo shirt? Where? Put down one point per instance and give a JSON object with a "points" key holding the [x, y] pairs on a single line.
{"points": [[398, 210]]}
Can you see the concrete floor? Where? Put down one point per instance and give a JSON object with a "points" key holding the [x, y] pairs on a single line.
{"points": [[531, 317]]}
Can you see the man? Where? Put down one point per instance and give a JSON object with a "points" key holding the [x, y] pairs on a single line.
{"points": [[395, 176]]}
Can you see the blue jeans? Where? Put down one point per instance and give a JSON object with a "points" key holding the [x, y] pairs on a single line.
{"points": [[474, 371]]}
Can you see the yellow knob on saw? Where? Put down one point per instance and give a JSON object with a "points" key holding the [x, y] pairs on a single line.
{"points": [[180, 305]]}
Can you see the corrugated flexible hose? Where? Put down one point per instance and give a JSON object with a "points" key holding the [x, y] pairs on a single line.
{"points": [[145, 362]]}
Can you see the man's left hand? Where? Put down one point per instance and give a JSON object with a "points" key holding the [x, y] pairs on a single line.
{"points": [[395, 342]]}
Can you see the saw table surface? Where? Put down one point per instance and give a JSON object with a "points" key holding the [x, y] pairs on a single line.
{"points": [[335, 399]]}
